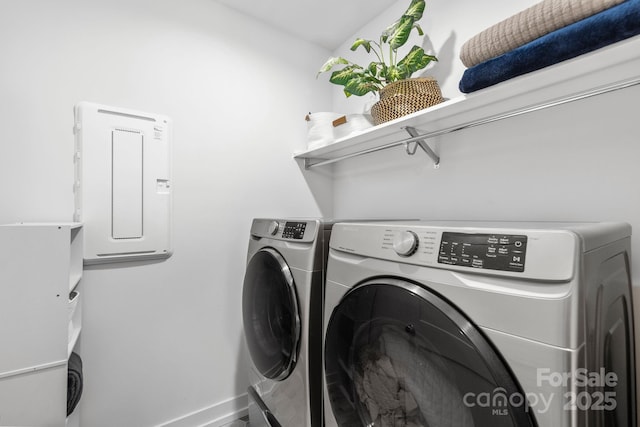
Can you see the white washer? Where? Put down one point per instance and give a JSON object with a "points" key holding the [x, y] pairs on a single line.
{"points": [[282, 314], [479, 324]]}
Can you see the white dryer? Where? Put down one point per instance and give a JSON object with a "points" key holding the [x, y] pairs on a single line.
{"points": [[282, 316], [479, 324]]}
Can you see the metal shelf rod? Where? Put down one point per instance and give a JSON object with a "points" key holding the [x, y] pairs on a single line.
{"points": [[419, 139], [309, 163]]}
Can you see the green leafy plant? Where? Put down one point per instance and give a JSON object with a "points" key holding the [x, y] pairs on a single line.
{"points": [[358, 80]]}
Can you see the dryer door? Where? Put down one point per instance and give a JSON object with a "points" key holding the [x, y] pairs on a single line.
{"points": [[397, 354], [270, 314]]}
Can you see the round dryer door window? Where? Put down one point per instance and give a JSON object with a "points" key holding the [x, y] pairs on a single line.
{"points": [[270, 314], [397, 354]]}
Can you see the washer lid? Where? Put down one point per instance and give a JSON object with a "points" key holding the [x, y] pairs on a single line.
{"points": [[270, 314], [399, 354]]}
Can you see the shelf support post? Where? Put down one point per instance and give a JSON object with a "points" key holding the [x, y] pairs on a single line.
{"points": [[422, 144]]}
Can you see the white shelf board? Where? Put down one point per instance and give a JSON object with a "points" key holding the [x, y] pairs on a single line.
{"points": [[74, 280], [609, 68], [73, 340], [71, 225]]}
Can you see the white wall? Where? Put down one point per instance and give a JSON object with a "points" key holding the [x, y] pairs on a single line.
{"points": [[572, 162], [162, 339]]}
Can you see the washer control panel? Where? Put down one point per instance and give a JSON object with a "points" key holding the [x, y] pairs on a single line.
{"points": [[489, 251], [293, 230], [524, 250]]}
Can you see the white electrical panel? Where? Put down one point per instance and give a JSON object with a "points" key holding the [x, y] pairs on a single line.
{"points": [[123, 183]]}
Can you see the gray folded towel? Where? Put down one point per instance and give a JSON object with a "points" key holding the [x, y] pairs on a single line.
{"points": [[528, 25]]}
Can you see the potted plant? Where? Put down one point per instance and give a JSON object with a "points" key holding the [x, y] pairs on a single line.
{"points": [[387, 75]]}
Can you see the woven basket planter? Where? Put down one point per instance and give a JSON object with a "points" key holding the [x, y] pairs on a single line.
{"points": [[404, 97]]}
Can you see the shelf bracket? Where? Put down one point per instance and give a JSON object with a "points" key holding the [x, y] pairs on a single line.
{"points": [[411, 150]]}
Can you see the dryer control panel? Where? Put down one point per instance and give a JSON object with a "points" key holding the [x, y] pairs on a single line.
{"points": [[490, 251], [298, 231]]}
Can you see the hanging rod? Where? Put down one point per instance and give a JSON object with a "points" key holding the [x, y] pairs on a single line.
{"points": [[419, 138], [309, 163], [422, 144]]}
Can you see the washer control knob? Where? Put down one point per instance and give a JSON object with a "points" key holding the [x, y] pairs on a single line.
{"points": [[273, 228], [405, 243]]}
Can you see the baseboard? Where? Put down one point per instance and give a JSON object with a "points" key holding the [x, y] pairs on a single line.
{"points": [[213, 416]]}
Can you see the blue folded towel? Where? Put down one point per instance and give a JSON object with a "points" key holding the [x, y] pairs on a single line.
{"points": [[609, 26]]}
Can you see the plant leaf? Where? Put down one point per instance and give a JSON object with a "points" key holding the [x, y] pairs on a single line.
{"points": [[342, 77], [373, 68], [394, 73], [389, 30], [400, 34], [361, 85], [362, 42], [383, 72], [416, 9], [359, 81], [415, 60], [331, 62]]}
